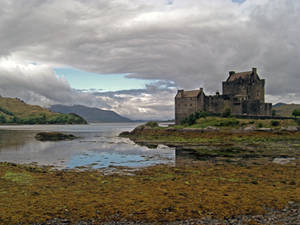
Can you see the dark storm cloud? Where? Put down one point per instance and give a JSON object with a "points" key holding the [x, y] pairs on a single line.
{"points": [[192, 43]]}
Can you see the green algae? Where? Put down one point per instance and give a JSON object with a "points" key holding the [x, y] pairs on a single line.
{"points": [[21, 178]]}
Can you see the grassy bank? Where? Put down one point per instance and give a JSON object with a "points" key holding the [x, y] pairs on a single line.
{"points": [[159, 194], [227, 138], [224, 123], [189, 135], [218, 129]]}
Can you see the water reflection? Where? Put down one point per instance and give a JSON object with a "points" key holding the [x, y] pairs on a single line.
{"points": [[14, 140], [98, 147]]}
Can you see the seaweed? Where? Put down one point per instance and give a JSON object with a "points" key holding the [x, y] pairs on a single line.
{"points": [[157, 194], [54, 136]]}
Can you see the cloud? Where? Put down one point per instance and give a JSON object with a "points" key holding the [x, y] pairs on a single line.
{"points": [[156, 101], [38, 84], [191, 43]]}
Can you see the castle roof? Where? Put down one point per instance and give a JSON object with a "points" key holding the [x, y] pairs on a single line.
{"points": [[241, 75], [189, 94]]}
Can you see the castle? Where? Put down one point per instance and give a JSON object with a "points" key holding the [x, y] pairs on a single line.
{"points": [[243, 93]]}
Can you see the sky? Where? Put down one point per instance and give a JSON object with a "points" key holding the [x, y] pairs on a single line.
{"points": [[131, 56]]}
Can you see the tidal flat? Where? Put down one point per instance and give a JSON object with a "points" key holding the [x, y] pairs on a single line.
{"points": [[159, 194]]}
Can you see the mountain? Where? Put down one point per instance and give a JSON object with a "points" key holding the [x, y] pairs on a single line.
{"points": [[16, 111], [283, 109], [92, 115], [278, 104]]}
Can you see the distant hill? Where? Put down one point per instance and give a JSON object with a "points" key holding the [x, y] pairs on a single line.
{"points": [[16, 111], [283, 109], [92, 115], [278, 104]]}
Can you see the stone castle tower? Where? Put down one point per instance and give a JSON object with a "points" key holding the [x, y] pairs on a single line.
{"points": [[243, 93]]}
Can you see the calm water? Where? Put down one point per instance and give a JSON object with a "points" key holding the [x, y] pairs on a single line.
{"points": [[98, 147]]}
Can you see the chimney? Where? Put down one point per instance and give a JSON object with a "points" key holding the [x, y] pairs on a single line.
{"points": [[231, 73], [180, 92], [254, 70]]}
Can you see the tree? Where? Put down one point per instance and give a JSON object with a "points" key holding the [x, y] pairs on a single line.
{"points": [[275, 123], [273, 112], [227, 112], [296, 112], [201, 114], [190, 120], [2, 119]]}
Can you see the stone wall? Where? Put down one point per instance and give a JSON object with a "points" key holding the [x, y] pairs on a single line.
{"points": [[216, 104], [184, 107], [257, 108], [254, 90]]}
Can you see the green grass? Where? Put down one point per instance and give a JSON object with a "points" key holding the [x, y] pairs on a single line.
{"points": [[217, 122], [21, 178], [229, 123]]}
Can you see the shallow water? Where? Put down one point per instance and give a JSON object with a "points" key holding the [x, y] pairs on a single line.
{"points": [[98, 147]]}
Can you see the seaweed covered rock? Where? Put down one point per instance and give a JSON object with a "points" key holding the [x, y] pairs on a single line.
{"points": [[124, 134], [152, 124], [54, 136]]}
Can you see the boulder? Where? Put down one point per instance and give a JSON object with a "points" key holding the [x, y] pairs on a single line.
{"points": [[250, 128], [290, 128], [211, 128]]}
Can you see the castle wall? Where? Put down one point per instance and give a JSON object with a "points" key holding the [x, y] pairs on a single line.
{"points": [[257, 108], [215, 104], [236, 108], [185, 107], [234, 88], [200, 103], [252, 90], [256, 91]]}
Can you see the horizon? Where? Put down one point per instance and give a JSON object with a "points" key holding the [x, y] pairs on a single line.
{"points": [[132, 57]]}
